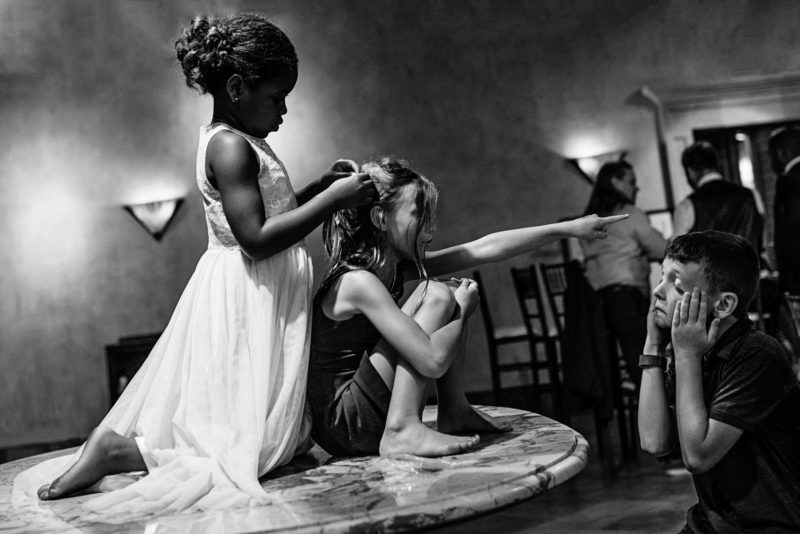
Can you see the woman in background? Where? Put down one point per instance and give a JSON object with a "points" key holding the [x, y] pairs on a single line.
{"points": [[618, 267]]}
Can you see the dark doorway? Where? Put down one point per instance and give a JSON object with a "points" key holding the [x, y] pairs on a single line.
{"points": [[744, 159]]}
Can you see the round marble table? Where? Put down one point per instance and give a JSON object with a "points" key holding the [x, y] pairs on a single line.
{"points": [[317, 493]]}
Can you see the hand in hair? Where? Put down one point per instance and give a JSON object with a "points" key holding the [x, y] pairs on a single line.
{"points": [[344, 165], [341, 168], [353, 191], [594, 227]]}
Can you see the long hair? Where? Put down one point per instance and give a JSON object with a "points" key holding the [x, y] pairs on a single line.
{"points": [[350, 238], [605, 197]]}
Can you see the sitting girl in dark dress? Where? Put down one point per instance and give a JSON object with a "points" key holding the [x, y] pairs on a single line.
{"points": [[371, 359]]}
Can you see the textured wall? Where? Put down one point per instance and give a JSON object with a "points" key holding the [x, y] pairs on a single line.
{"points": [[484, 97]]}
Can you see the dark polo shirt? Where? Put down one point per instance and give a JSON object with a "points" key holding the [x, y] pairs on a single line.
{"points": [[748, 383]]}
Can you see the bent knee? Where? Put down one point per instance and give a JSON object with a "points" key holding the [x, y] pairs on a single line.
{"points": [[437, 295]]}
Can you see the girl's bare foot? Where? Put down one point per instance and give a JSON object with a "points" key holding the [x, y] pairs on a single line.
{"points": [[105, 453], [417, 439], [468, 420]]}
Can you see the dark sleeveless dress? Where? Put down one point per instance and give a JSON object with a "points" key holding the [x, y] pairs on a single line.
{"points": [[347, 397]]}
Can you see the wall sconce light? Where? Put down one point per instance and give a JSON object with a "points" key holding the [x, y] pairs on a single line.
{"points": [[590, 165], [155, 216]]}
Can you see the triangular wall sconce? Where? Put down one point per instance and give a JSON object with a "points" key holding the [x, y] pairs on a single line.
{"points": [[155, 216], [589, 166]]}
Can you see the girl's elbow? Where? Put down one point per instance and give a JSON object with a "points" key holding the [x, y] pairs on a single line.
{"points": [[256, 251], [254, 254]]}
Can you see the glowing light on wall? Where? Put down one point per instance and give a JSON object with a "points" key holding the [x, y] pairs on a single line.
{"points": [[590, 165], [155, 216]]}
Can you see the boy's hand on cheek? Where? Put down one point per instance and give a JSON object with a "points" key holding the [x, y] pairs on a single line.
{"points": [[689, 335], [657, 338]]}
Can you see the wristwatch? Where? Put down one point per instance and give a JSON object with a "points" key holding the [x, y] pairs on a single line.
{"points": [[651, 360]]}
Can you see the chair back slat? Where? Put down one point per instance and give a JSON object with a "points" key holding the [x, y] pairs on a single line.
{"points": [[529, 296], [555, 285]]}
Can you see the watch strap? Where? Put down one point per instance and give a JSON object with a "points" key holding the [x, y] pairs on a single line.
{"points": [[652, 360]]}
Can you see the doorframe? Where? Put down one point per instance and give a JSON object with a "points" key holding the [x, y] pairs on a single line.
{"points": [[748, 100]]}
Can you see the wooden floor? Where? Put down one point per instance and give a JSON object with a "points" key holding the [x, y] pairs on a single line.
{"points": [[642, 498]]}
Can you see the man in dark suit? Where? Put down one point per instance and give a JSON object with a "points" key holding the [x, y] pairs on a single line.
{"points": [[716, 203], [784, 151]]}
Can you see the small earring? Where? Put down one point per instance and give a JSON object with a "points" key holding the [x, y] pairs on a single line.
{"points": [[235, 99]]}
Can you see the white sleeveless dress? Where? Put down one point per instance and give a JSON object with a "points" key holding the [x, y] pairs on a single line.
{"points": [[220, 399]]}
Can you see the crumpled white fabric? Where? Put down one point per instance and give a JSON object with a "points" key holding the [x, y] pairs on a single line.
{"points": [[220, 400]]}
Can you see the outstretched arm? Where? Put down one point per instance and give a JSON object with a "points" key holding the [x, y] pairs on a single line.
{"points": [[234, 167], [507, 244]]}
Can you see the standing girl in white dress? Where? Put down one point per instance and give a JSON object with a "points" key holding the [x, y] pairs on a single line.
{"points": [[220, 400]]}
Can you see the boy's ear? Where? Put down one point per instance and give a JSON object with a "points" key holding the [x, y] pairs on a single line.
{"points": [[725, 304], [234, 87], [378, 217]]}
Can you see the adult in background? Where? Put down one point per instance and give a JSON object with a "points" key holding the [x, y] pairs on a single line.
{"points": [[618, 267], [784, 151], [716, 203]]}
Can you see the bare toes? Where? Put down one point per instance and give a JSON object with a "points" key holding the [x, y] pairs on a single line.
{"points": [[44, 492]]}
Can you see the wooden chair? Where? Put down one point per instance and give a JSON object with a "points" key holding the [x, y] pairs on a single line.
{"points": [[544, 361], [624, 400], [497, 337], [124, 359]]}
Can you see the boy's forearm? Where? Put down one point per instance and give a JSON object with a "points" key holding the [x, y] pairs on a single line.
{"points": [[655, 427], [691, 408]]}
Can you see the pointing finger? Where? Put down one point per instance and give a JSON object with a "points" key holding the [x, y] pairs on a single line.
{"points": [[611, 219]]}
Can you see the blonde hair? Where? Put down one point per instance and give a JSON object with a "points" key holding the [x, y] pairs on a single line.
{"points": [[350, 238]]}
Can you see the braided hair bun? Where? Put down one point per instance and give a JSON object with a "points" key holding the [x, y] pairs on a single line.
{"points": [[210, 50]]}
